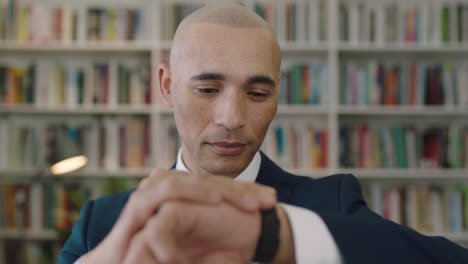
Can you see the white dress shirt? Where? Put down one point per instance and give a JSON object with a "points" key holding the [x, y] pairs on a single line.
{"points": [[313, 242]]}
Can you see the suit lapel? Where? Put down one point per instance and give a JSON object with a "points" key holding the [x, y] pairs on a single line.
{"points": [[272, 175]]}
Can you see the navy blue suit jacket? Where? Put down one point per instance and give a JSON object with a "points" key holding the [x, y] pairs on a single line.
{"points": [[361, 235]]}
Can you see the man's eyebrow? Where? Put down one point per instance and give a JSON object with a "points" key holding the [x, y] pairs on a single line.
{"points": [[261, 79], [208, 76]]}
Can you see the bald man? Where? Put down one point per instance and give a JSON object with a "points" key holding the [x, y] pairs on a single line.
{"points": [[222, 83]]}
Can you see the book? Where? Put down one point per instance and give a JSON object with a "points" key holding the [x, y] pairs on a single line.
{"points": [[123, 144], [289, 20], [401, 146], [76, 82], [403, 22], [297, 146], [304, 83], [430, 208], [403, 83], [30, 22]]}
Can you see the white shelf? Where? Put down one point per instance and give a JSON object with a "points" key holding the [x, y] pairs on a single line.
{"points": [[87, 46], [84, 173], [388, 174], [101, 173], [302, 110], [403, 47], [19, 173], [409, 174], [282, 110], [403, 110], [80, 110], [29, 235], [289, 46]]}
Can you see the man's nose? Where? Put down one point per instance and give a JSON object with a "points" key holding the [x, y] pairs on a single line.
{"points": [[231, 111]]}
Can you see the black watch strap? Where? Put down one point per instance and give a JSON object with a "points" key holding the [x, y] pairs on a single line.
{"points": [[268, 242]]}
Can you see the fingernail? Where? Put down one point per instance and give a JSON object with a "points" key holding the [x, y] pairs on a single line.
{"points": [[250, 202]]}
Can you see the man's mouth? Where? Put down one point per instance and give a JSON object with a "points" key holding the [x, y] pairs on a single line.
{"points": [[228, 148]]}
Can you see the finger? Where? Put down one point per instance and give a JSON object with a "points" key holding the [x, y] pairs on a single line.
{"points": [[161, 234], [139, 252], [145, 201], [158, 175], [245, 195]]}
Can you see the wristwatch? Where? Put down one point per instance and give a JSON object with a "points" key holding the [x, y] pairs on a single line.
{"points": [[268, 242]]}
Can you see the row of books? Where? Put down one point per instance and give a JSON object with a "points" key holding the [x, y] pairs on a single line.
{"points": [[44, 205], [304, 83], [426, 208], [111, 24], [33, 145], [300, 21], [404, 83], [414, 22], [403, 146], [297, 145], [30, 22], [72, 83], [111, 144]]}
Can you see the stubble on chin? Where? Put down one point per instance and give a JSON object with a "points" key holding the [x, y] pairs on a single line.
{"points": [[220, 165]]}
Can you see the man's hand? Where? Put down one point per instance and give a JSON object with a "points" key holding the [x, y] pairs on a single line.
{"points": [[187, 232], [170, 185]]}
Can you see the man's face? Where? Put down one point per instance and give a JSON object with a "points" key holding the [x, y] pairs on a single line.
{"points": [[224, 91]]}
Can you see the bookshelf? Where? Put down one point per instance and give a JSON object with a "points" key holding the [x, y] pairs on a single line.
{"points": [[91, 36]]}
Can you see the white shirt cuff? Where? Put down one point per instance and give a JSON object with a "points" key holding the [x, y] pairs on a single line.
{"points": [[313, 241]]}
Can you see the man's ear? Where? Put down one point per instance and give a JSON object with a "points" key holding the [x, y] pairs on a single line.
{"points": [[164, 80]]}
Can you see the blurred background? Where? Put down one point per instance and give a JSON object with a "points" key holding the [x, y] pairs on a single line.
{"points": [[377, 88]]}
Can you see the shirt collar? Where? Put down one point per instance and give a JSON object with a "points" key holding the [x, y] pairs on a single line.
{"points": [[248, 175]]}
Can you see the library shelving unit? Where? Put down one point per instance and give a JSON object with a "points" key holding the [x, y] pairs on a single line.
{"points": [[348, 68]]}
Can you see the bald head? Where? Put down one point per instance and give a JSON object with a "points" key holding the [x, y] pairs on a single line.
{"points": [[233, 15], [229, 15]]}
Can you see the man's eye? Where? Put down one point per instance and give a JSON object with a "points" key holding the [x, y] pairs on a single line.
{"points": [[207, 90], [259, 95]]}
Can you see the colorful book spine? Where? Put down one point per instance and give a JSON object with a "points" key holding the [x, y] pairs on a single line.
{"points": [[125, 144], [426, 208], [304, 84], [404, 22], [118, 143], [49, 205], [29, 22], [398, 146], [297, 146], [289, 19], [74, 83], [404, 83]]}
